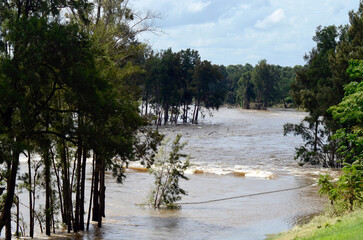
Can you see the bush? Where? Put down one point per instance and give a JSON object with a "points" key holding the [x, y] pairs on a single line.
{"points": [[347, 190], [167, 169]]}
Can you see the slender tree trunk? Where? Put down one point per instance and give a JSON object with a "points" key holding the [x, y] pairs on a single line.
{"points": [[17, 216], [91, 194], [78, 191], [166, 114], [102, 194], [48, 207], [147, 102], [34, 200], [52, 212], [197, 113], [5, 217], [56, 171], [83, 185], [185, 113], [95, 210], [67, 195], [31, 213], [195, 108], [316, 135], [71, 187], [99, 3]]}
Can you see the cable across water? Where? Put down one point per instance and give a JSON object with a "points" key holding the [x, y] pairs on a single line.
{"points": [[243, 196]]}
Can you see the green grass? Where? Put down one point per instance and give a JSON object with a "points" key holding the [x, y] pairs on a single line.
{"points": [[349, 226]]}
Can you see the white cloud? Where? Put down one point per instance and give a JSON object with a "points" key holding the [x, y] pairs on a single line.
{"points": [[274, 18], [198, 6], [240, 31]]}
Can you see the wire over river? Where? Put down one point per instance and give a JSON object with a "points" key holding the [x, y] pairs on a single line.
{"points": [[244, 196]]}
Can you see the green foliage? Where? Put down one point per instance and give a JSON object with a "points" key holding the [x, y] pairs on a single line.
{"points": [[245, 91], [349, 114], [315, 150], [174, 80], [355, 70], [327, 188], [325, 82], [347, 190], [167, 169], [208, 85], [265, 84]]}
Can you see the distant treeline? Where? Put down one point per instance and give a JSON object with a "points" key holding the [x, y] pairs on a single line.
{"points": [[177, 84]]}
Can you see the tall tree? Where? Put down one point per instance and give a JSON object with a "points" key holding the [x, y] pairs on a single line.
{"points": [[321, 84], [245, 90], [264, 78], [188, 60], [208, 87]]}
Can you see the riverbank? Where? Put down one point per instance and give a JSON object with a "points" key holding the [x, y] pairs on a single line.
{"points": [[349, 226]]}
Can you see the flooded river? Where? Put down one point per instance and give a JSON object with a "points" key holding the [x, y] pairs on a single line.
{"points": [[234, 153]]}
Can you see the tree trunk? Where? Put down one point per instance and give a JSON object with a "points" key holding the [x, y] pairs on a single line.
{"points": [[8, 229], [185, 113], [17, 217], [48, 220], [56, 171], [5, 217], [78, 191], [91, 194], [99, 192], [166, 114], [102, 194], [197, 113], [147, 102], [95, 210], [31, 214], [83, 185], [67, 195], [316, 136], [195, 108]]}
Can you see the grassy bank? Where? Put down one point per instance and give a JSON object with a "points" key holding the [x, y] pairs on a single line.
{"points": [[349, 226]]}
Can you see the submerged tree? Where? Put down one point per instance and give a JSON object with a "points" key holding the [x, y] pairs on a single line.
{"points": [[208, 88], [167, 169], [245, 90], [264, 78]]}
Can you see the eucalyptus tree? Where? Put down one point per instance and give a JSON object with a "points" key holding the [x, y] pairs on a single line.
{"points": [[151, 85], [233, 88], [264, 78], [245, 91], [189, 58], [314, 92], [320, 84], [208, 88]]}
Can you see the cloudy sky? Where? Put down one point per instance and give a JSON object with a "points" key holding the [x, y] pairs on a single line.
{"points": [[243, 31]]}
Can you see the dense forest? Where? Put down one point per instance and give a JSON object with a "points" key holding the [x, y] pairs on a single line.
{"points": [[75, 83]]}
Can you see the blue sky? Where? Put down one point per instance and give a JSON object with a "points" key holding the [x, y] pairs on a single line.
{"points": [[243, 31]]}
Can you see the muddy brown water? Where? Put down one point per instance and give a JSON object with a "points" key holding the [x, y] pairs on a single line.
{"points": [[234, 153]]}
